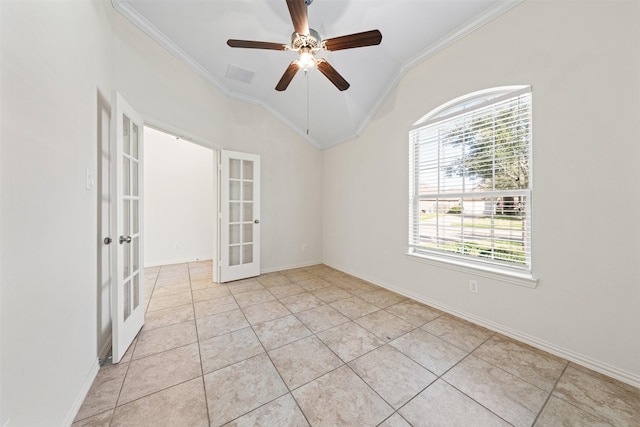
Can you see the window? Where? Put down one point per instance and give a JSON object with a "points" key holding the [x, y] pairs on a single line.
{"points": [[470, 180]]}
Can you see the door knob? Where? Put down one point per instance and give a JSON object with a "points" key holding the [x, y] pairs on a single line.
{"points": [[107, 240], [125, 239], [257, 221]]}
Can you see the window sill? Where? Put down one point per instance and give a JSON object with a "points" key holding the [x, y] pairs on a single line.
{"points": [[504, 275]]}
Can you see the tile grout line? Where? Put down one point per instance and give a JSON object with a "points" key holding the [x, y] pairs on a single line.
{"points": [[312, 334], [550, 393], [134, 344], [344, 363], [438, 377], [441, 377], [394, 410], [269, 357], [601, 417], [131, 360], [195, 323]]}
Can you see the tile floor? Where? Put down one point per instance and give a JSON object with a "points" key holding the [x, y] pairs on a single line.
{"points": [[314, 346]]}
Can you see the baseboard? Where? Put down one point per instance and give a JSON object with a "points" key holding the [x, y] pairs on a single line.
{"points": [[288, 267], [73, 411], [262, 270], [182, 260], [580, 359]]}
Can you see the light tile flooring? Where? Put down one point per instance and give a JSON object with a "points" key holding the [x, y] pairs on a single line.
{"points": [[314, 346]]}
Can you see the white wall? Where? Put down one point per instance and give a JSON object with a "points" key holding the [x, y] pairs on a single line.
{"points": [[53, 65], [60, 61], [179, 213], [583, 61]]}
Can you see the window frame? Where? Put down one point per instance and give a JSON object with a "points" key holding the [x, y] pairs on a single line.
{"points": [[504, 271]]}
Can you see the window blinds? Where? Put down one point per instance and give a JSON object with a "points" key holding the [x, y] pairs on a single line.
{"points": [[470, 193]]}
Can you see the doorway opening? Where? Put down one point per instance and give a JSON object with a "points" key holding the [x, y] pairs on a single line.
{"points": [[179, 184], [179, 199]]}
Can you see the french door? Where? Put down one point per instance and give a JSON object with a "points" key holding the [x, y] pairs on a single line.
{"points": [[127, 299], [239, 215]]}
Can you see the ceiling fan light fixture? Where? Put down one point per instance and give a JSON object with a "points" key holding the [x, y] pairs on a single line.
{"points": [[307, 60]]}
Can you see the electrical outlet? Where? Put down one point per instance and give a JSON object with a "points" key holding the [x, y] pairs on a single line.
{"points": [[473, 286], [304, 247]]}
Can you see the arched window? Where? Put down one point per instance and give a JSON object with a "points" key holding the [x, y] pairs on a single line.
{"points": [[470, 180]]}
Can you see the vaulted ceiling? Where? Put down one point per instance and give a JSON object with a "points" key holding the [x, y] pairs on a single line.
{"points": [[196, 32]]}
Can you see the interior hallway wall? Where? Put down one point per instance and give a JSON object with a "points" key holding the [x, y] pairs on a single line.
{"points": [[583, 62], [55, 61], [179, 196]]}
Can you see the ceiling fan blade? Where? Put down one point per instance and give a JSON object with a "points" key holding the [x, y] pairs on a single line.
{"points": [[298, 12], [286, 78], [367, 38], [331, 73], [249, 44]]}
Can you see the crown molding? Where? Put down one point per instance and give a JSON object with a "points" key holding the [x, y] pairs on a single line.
{"points": [[152, 31]]}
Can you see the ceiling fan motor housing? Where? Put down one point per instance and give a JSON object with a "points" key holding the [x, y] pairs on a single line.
{"points": [[311, 41]]}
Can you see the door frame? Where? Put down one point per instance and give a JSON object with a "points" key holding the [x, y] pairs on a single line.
{"points": [[216, 148], [104, 279], [103, 315]]}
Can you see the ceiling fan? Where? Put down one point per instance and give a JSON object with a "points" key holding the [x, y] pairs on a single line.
{"points": [[308, 43]]}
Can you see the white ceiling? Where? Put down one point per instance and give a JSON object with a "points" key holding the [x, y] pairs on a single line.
{"points": [[196, 31]]}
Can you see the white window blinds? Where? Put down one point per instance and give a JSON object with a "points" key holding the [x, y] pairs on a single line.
{"points": [[470, 194]]}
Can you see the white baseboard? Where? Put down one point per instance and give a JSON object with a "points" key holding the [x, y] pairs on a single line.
{"points": [[580, 359], [289, 267], [181, 260], [73, 411], [262, 270]]}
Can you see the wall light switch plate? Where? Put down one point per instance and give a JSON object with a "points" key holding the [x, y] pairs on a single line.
{"points": [[91, 180]]}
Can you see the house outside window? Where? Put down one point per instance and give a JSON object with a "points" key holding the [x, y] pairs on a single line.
{"points": [[470, 180]]}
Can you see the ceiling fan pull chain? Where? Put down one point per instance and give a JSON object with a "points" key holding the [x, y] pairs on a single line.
{"points": [[306, 75]]}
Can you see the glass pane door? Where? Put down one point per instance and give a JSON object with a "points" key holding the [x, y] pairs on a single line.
{"points": [[127, 309], [239, 227], [131, 217], [241, 219]]}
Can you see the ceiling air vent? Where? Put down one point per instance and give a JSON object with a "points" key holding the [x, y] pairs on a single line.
{"points": [[239, 74]]}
